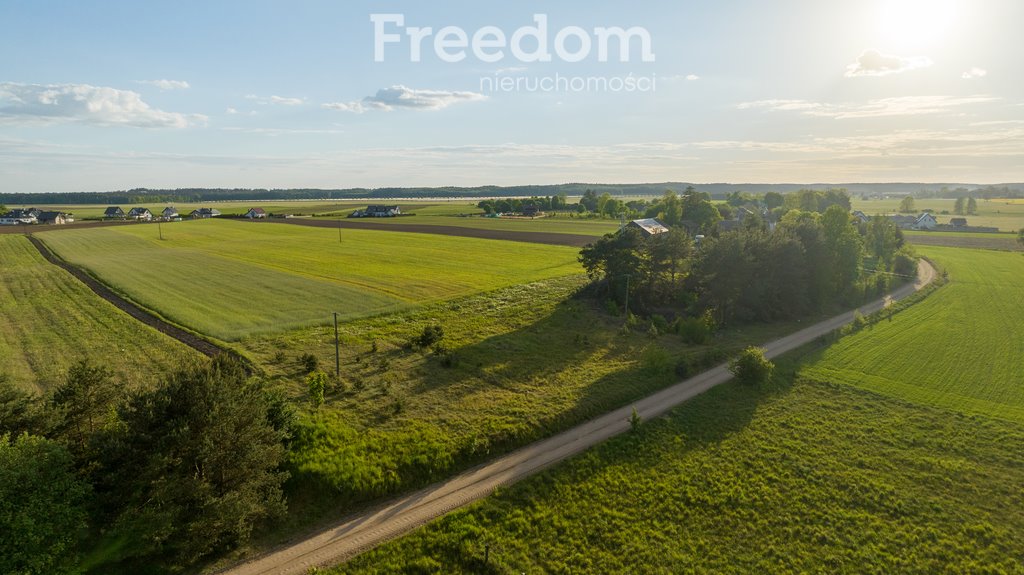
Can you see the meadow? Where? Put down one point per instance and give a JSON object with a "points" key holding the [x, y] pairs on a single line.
{"points": [[879, 453], [50, 321], [962, 349], [232, 279]]}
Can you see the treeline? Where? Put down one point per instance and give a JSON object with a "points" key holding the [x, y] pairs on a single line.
{"points": [[985, 193], [94, 480], [811, 260]]}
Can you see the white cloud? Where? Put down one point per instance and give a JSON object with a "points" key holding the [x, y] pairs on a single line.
{"points": [[231, 111], [166, 84], [279, 100], [885, 107], [387, 99], [510, 70], [874, 63], [974, 72], [692, 77], [96, 105]]}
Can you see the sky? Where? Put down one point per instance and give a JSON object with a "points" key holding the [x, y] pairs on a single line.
{"points": [[114, 95]]}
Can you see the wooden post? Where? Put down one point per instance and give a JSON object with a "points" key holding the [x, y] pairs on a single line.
{"points": [[337, 350]]}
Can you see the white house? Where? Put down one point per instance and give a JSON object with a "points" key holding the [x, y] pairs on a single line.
{"points": [[649, 227], [926, 221], [169, 213], [142, 214], [255, 214]]}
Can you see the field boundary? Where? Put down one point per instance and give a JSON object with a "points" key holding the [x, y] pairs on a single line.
{"points": [[192, 340], [361, 531], [548, 238]]}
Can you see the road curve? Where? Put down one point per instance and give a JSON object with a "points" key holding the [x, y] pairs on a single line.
{"points": [[398, 516]]}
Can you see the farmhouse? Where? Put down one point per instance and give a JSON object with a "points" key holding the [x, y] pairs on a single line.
{"points": [[861, 216], [377, 212], [958, 222], [113, 212], [904, 222], [142, 214], [649, 227], [204, 213], [18, 217], [57, 218], [925, 222], [255, 214], [169, 213]]}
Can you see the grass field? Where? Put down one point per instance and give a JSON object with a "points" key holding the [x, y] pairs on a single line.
{"points": [[231, 279], [50, 321], [561, 224], [1007, 215], [916, 475], [810, 478], [963, 348]]}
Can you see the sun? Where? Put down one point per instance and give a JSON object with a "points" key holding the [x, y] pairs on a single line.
{"points": [[916, 23]]}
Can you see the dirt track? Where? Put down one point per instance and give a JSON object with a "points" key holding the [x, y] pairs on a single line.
{"points": [[549, 238], [398, 516], [195, 342]]}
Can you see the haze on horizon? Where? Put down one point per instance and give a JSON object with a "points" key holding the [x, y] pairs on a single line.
{"points": [[117, 95]]}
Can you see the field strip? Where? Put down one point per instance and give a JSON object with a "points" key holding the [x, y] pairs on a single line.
{"points": [[549, 238], [197, 343], [365, 530]]}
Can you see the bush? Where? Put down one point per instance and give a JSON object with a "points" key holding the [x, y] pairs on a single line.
{"points": [[431, 334], [683, 368], [751, 367], [904, 265], [316, 384], [309, 362], [656, 361]]}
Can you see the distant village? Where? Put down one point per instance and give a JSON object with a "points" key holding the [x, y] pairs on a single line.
{"points": [[33, 216]]}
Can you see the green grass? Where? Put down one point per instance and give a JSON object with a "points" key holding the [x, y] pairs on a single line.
{"points": [[811, 478], [232, 279], [50, 321], [962, 348], [561, 224]]}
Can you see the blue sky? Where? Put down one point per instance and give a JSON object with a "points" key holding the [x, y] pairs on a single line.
{"points": [[116, 95]]}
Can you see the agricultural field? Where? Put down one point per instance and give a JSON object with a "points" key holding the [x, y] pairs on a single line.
{"points": [[1006, 215], [797, 478], [963, 348], [51, 321], [560, 224], [518, 364], [232, 279], [1000, 241], [878, 453]]}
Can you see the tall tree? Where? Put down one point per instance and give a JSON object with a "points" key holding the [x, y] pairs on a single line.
{"points": [[82, 402], [972, 206], [845, 247], [907, 205], [42, 506], [773, 200], [194, 464], [960, 206], [673, 209], [883, 239], [20, 411]]}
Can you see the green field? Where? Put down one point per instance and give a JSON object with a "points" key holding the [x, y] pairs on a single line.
{"points": [[1006, 215], [811, 478], [908, 476], [50, 321], [561, 224], [963, 348], [231, 279]]}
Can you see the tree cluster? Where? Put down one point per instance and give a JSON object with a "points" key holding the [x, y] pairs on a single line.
{"points": [[809, 261], [155, 479], [555, 203]]}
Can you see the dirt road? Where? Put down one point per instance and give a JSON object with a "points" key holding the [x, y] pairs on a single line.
{"points": [[361, 532]]}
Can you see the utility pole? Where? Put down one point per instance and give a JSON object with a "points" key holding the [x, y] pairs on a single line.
{"points": [[627, 296], [337, 350], [339, 230], [160, 228]]}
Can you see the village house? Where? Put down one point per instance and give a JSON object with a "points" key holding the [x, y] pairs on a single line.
{"points": [[20, 217], [649, 227], [925, 222], [255, 214], [377, 212], [113, 213], [204, 213], [141, 214], [169, 214], [958, 222], [861, 216], [55, 218]]}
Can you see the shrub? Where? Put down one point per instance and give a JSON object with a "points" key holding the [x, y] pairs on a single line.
{"points": [[904, 265], [634, 420], [656, 361], [659, 322], [683, 368], [431, 334], [316, 384], [751, 367], [309, 362]]}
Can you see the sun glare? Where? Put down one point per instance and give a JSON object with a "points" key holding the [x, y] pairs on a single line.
{"points": [[916, 23]]}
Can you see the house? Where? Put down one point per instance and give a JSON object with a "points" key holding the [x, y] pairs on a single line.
{"points": [[530, 211], [57, 218], [255, 214], [958, 222], [204, 213], [925, 222], [113, 213], [169, 214], [142, 214], [649, 227], [904, 222], [861, 216], [19, 217]]}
